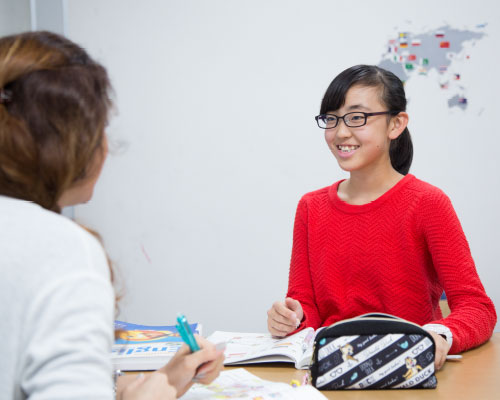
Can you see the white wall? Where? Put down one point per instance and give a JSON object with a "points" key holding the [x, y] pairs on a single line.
{"points": [[49, 15], [14, 16], [214, 140]]}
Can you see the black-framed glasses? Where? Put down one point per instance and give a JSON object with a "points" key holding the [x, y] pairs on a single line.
{"points": [[352, 119]]}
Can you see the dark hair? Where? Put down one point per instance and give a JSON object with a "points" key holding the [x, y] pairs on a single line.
{"points": [[54, 107], [392, 94]]}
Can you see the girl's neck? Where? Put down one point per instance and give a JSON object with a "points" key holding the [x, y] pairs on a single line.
{"points": [[363, 187]]}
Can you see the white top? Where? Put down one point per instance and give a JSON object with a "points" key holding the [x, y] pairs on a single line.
{"points": [[56, 307]]}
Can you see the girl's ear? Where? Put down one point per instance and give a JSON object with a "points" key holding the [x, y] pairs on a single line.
{"points": [[397, 125]]}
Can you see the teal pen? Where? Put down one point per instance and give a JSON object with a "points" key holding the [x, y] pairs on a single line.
{"points": [[186, 334], [183, 335]]}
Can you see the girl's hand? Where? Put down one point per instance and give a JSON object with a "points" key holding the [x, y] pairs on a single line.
{"points": [[154, 386], [284, 317], [202, 366], [442, 348]]}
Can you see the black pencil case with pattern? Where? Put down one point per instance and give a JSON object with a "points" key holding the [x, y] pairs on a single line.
{"points": [[373, 351]]}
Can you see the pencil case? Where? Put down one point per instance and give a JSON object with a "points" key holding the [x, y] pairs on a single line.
{"points": [[373, 351]]}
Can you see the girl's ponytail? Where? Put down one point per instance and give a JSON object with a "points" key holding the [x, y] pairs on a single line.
{"points": [[401, 152]]}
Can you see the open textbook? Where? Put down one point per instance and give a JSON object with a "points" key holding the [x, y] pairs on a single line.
{"points": [[145, 347], [250, 348], [241, 384]]}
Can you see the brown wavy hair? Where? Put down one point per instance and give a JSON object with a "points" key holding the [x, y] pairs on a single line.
{"points": [[54, 106]]}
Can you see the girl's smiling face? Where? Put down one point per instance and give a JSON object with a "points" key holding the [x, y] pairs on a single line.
{"points": [[365, 147]]}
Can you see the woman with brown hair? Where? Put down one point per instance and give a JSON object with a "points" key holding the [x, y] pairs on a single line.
{"points": [[56, 297]]}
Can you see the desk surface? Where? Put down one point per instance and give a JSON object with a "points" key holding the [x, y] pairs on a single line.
{"points": [[475, 376]]}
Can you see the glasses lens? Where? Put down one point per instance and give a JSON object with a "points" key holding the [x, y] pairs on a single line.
{"points": [[355, 119], [327, 121]]}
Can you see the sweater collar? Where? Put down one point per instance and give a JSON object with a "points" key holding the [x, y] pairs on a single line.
{"points": [[355, 209]]}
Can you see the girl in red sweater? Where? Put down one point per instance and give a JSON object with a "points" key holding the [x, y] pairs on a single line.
{"points": [[382, 240]]}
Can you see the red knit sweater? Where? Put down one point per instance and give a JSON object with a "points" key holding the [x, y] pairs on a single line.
{"points": [[394, 255]]}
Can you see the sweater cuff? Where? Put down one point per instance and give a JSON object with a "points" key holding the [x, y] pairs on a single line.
{"points": [[440, 330]]}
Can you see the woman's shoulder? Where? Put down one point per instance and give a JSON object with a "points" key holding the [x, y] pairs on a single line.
{"points": [[429, 199], [320, 194], [41, 240], [425, 189]]}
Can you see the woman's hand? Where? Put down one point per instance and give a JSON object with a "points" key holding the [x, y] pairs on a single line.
{"points": [[284, 317], [442, 348], [202, 366], [154, 386]]}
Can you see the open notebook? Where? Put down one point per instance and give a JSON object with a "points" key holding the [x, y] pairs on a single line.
{"points": [[249, 348]]}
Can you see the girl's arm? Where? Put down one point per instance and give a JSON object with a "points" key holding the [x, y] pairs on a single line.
{"points": [[473, 315], [300, 286]]}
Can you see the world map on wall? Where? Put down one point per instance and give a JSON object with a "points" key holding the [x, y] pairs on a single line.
{"points": [[443, 50]]}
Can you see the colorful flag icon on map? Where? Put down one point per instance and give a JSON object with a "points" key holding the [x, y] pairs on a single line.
{"points": [[412, 57], [457, 77], [439, 33], [403, 35], [462, 100], [444, 45], [425, 61], [403, 45], [416, 42], [409, 66]]}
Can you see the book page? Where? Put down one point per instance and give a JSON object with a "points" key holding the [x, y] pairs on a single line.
{"points": [[262, 347], [241, 384]]}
